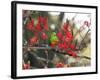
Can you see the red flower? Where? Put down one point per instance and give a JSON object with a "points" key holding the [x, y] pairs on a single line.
{"points": [[33, 40], [59, 65], [26, 66], [65, 27], [40, 19], [63, 46], [87, 23], [46, 24], [60, 35], [72, 53], [72, 46], [44, 36], [38, 27], [43, 21], [69, 36], [30, 25], [60, 45]]}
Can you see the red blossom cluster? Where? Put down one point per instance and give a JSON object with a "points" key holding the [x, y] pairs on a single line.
{"points": [[40, 26], [33, 40], [65, 36], [30, 25], [60, 65], [26, 66]]}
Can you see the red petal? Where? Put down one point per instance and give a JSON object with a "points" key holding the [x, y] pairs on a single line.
{"points": [[65, 27], [60, 35], [26, 66], [30, 25], [46, 27], [72, 46], [59, 65], [33, 40], [69, 36], [72, 53], [60, 45], [38, 27], [44, 36]]}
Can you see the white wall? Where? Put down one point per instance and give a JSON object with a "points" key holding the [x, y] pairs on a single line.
{"points": [[5, 37]]}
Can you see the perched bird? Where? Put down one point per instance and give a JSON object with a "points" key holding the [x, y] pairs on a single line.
{"points": [[54, 39]]}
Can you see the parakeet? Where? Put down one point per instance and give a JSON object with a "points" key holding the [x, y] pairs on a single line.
{"points": [[54, 39]]}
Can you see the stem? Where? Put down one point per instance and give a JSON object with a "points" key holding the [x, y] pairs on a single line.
{"points": [[46, 52], [84, 37]]}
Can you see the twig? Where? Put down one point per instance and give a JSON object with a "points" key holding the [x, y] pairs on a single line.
{"points": [[84, 37]]}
